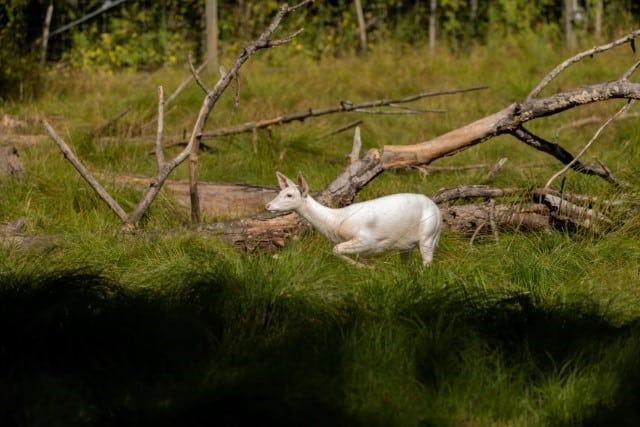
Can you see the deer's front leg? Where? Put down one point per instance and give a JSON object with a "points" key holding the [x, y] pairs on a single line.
{"points": [[351, 247]]}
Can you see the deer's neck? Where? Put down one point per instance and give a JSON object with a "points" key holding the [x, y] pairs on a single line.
{"points": [[323, 218]]}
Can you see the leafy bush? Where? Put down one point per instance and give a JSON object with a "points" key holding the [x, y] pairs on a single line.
{"points": [[19, 66]]}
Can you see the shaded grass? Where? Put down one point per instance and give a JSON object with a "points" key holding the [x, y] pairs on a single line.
{"points": [[247, 343]]}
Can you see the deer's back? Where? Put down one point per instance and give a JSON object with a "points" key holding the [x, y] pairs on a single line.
{"points": [[391, 222]]}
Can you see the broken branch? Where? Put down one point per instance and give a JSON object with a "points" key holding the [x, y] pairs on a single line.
{"points": [[84, 173]]}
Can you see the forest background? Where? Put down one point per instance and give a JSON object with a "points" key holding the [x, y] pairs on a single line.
{"points": [[148, 35]]}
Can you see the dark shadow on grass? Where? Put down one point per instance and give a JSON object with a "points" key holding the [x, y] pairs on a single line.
{"points": [[528, 332], [78, 349]]}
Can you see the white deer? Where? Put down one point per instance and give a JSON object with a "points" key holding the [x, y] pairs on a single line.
{"points": [[396, 222]]}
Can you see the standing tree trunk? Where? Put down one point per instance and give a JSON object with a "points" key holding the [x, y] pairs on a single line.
{"points": [[569, 29], [433, 22], [597, 25], [473, 5], [45, 32], [362, 28], [211, 12]]}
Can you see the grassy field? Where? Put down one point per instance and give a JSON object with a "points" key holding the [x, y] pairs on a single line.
{"points": [[112, 329]]}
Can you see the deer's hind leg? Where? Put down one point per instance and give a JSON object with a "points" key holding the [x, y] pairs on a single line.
{"points": [[427, 247]]}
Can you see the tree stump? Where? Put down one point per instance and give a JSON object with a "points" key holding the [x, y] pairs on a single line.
{"points": [[10, 163]]}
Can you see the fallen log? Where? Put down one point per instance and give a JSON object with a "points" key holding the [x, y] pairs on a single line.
{"points": [[218, 200]]}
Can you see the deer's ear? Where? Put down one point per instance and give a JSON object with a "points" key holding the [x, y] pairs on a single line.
{"points": [[283, 181], [304, 187]]}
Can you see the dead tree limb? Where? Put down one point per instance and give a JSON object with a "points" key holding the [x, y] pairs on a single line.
{"points": [[564, 156], [622, 110], [507, 121], [264, 41], [343, 107], [84, 172], [577, 58], [166, 167]]}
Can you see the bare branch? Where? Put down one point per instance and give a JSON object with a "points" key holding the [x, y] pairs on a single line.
{"points": [[496, 169], [84, 172], [591, 120], [214, 94], [236, 92], [342, 129], [185, 82], [630, 71], [196, 76], [298, 6], [274, 43], [98, 130], [344, 106], [577, 58], [593, 138], [563, 155]]}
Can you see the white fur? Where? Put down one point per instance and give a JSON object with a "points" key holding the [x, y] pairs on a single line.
{"points": [[396, 222]]}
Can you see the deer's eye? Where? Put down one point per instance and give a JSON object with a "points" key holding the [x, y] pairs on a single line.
{"points": [[289, 196]]}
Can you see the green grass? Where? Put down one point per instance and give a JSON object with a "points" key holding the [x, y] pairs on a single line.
{"points": [[110, 328]]}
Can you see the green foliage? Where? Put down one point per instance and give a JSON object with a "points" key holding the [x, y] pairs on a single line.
{"points": [[132, 42], [19, 63]]}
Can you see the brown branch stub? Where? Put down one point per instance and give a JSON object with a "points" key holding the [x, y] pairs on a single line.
{"points": [[10, 163], [160, 131], [357, 146]]}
